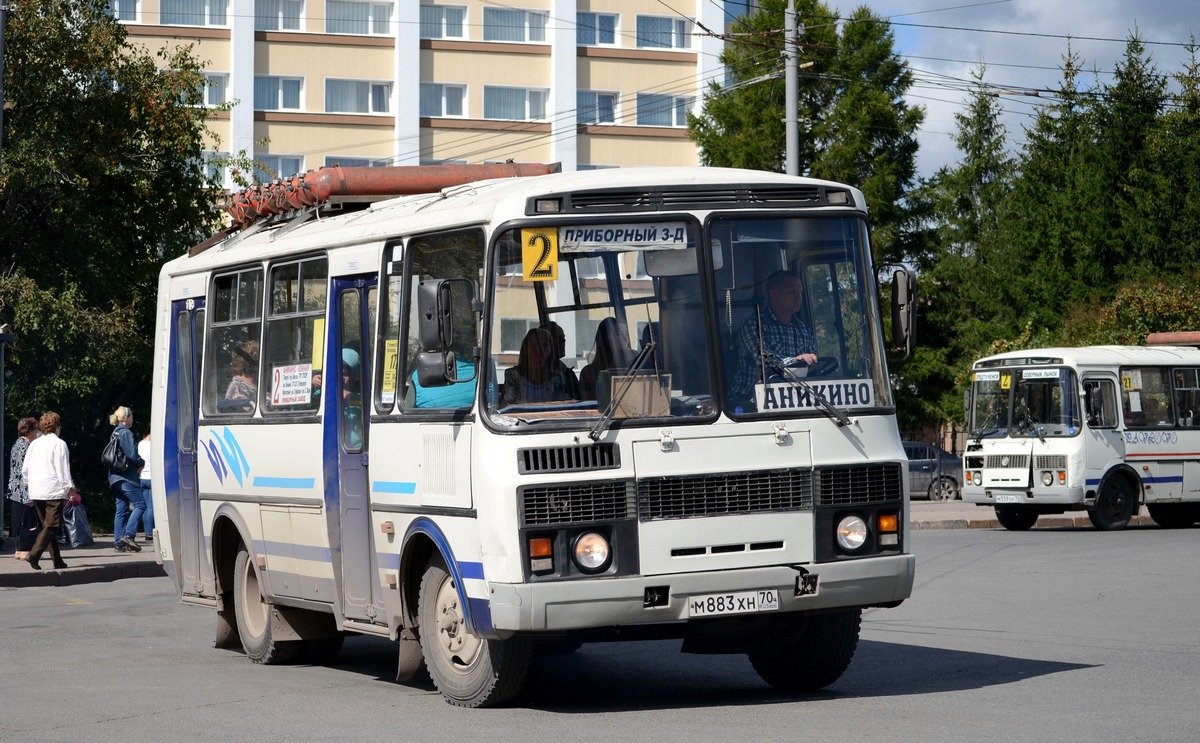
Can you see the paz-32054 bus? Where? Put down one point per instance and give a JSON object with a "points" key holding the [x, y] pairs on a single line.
{"points": [[532, 411], [1101, 429]]}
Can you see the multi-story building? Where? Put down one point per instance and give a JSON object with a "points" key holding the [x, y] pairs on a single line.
{"points": [[585, 83]]}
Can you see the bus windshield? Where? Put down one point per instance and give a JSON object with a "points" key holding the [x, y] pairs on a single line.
{"points": [[614, 328], [1024, 402]]}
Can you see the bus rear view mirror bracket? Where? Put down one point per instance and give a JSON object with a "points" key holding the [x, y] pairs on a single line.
{"points": [[435, 308]]}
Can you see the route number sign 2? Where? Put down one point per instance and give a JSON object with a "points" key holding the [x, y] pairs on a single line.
{"points": [[539, 254]]}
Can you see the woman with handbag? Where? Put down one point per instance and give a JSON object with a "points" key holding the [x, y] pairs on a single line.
{"points": [[24, 523], [123, 480], [47, 473]]}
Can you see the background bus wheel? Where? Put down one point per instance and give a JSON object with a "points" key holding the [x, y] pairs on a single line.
{"points": [[1016, 518], [1114, 506], [806, 654], [468, 670], [254, 616], [943, 489], [1174, 515]]}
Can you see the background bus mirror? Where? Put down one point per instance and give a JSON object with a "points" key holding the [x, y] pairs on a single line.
{"points": [[435, 368], [904, 306], [435, 307]]}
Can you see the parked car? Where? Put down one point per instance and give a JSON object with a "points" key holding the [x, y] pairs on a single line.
{"points": [[933, 472]]}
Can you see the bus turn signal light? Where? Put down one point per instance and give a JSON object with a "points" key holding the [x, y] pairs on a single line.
{"points": [[540, 547], [888, 523]]}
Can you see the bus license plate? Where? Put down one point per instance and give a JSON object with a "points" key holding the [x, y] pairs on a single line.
{"points": [[1010, 499], [742, 602]]}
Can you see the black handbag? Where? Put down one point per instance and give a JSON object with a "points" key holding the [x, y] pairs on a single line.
{"points": [[113, 456]]}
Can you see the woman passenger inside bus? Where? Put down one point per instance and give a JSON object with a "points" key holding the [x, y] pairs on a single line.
{"points": [[535, 377], [611, 353], [243, 387]]}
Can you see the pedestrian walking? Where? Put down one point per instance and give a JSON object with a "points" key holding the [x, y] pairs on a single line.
{"points": [[125, 484], [148, 514], [24, 524], [47, 473]]}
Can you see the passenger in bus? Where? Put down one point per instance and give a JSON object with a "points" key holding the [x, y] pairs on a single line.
{"points": [[783, 334], [534, 378], [352, 410], [611, 353], [569, 381], [244, 384]]}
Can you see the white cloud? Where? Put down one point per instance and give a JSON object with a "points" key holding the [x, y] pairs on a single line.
{"points": [[1022, 43]]}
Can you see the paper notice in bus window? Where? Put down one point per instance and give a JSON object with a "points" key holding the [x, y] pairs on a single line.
{"points": [[391, 364], [787, 396], [1040, 374], [987, 376], [318, 345], [291, 384], [539, 254], [1131, 379]]}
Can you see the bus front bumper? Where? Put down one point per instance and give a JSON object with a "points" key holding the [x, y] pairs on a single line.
{"points": [[1068, 498], [610, 602]]}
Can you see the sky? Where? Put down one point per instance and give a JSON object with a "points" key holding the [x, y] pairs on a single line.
{"points": [[1022, 43]]}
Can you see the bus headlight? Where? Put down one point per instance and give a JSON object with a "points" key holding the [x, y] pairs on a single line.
{"points": [[592, 552], [851, 533], [1047, 478]]}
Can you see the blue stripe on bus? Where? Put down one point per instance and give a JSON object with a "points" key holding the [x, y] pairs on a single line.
{"points": [[473, 570], [1147, 480], [298, 551], [291, 483], [403, 488]]}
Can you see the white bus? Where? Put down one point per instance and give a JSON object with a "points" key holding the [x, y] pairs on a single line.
{"points": [[1102, 428], [398, 421]]}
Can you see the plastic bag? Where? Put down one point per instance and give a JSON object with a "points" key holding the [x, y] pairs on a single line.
{"points": [[75, 523]]}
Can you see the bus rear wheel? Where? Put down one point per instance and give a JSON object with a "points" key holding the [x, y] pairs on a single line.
{"points": [[806, 653], [1016, 518], [1174, 515], [253, 615], [1114, 506], [468, 670]]}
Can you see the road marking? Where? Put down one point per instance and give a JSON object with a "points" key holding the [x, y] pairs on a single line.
{"points": [[71, 600]]}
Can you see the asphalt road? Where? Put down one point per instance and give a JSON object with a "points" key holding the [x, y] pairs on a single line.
{"points": [[1062, 635]]}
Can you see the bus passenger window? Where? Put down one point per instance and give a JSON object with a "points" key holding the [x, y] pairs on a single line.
{"points": [[1100, 400], [231, 357]]}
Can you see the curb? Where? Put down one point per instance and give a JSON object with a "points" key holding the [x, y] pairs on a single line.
{"points": [[1055, 521], [49, 577]]}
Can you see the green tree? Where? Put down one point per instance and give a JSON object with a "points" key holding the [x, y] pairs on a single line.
{"points": [[100, 182]]}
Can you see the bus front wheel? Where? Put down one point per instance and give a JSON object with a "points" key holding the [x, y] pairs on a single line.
{"points": [[807, 655], [253, 615], [468, 670], [1114, 507], [1016, 518]]}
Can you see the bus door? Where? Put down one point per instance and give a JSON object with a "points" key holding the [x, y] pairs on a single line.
{"points": [[193, 573], [1104, 445], [355, 301]]}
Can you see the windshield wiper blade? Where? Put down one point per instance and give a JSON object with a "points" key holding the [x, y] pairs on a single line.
{"points": [[837, 415], [615, 400]]}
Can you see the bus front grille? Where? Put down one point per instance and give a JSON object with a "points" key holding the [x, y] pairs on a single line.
{"points": [[859, 484], [1050, 462], [577, 502], [724, 494], [568, 459], [1007, 461]]}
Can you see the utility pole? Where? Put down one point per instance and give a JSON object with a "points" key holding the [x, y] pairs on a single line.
{"points": [[791, 114]]}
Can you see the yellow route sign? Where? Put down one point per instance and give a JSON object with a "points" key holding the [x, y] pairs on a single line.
{"points": [[539, 253]]}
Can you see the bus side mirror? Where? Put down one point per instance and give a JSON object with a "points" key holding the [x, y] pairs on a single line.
{"points": [[435, 307], [436, 368], [904, 310]]}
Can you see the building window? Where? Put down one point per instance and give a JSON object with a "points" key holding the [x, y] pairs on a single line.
{"points": [[215, 165], [442, 21], [506, 24], [660, 32], [277, 15], [193, 12], [273, 93], [662, 110], [269, 167], [512, 331], [123, 10], [216, 88], [357, 97], [442, 100], [595, 29], [514, 104], [358, 18], [357, 162], [592, 107]]}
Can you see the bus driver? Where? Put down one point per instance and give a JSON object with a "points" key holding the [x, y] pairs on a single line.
{"points": [[782, 333]]}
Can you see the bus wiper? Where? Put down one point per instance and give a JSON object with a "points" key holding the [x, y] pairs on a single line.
{"points": [[835, 414], [1029, 425], [988, 426], [616, 399]]}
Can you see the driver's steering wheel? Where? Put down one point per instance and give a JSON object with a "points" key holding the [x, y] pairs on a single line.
{"points": [[824, 366]]}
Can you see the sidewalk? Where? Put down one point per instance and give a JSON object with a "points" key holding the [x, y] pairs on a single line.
{"points": [[100, 564], [96, 564]]}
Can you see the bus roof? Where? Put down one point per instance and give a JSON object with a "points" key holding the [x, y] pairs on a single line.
{"points": [[1094, 356], [506, 198]]}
